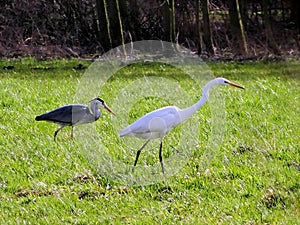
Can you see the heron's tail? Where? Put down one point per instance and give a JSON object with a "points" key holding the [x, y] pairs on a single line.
{"points": [[41, 117]]}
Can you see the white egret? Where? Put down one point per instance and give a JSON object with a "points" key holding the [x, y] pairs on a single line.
{"points": [[158, 123]]}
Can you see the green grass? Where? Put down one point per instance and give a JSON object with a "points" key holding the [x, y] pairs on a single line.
{"points": [[254, 178]]}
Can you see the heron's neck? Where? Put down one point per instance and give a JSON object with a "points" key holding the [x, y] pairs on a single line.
{"points": [[188, 112], [95, 111]]}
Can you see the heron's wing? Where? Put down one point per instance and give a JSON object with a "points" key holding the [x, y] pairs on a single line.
{"points": [[155, 121], [68, 114], [82, 114]]}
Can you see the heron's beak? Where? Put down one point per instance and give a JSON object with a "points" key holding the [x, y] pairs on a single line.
{"points": [[235, 85], [109, 110]]}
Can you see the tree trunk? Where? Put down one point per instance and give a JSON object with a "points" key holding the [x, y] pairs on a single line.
{"points": [[110, 14], [169, 20], [119, 7], [133, 23], [198, 28], [104, 25], [206, 28], [268, 28], [237, 28], [295, 17], [295, 13], [172, 20], [115, 14], [244, 12]]}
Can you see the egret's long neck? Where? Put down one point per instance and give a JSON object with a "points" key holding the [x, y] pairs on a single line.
{"points": [[188, 112]]}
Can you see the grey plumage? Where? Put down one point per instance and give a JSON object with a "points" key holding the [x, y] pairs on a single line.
{"points": [[69, 115], [75, 114]]}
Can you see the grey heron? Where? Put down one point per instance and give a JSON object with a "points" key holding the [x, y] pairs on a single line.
{"points": [[158, 123], [75, 114]]}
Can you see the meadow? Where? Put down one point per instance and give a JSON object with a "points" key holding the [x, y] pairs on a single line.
{"points": [[253, 178]]}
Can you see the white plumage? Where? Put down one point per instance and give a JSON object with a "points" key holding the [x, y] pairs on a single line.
{"points": [[155, 124], [158, 123]]}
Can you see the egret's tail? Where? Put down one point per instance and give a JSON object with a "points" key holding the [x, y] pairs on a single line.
{"points": [[125, 131]]}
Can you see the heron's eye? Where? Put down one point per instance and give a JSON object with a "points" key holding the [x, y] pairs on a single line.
{"points": [[101, 100]]}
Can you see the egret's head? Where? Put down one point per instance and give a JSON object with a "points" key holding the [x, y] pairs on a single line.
{"points": [[221, 80], [99, 102]]}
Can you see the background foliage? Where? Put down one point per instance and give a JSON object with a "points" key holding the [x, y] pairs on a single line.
{"points": [[59, 28]]}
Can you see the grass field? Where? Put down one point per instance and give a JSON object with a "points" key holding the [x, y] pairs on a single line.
{"points": [[254, 178]]}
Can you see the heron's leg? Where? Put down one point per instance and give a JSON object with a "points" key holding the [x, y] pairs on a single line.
{"points": [[56, 132], [160, 158], [138, 154], [72, 132]]}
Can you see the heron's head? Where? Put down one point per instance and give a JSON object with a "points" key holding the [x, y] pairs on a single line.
{"points": [[221, 80], [99, 102]]}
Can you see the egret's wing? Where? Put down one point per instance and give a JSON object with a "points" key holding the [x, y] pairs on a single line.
{"points": [[68, 114], [154, 121]]}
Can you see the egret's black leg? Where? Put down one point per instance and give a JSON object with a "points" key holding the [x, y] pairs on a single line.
{"points": [[56, 132], [138, 154], [160, 158]]}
